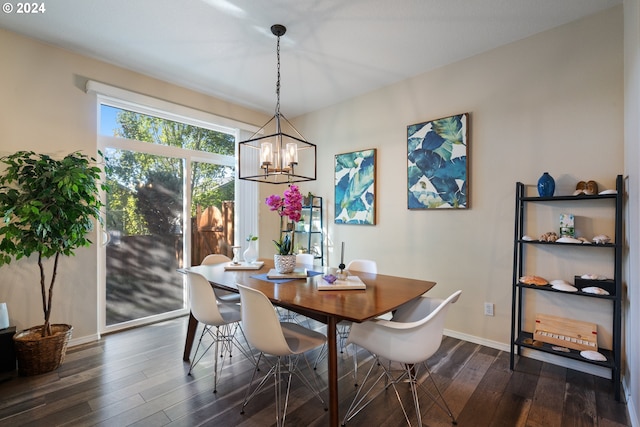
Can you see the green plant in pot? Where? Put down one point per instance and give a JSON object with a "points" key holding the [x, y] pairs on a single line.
{"points": [[47, 208], [290, 207]]}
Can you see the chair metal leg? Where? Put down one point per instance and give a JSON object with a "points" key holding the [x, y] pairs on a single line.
{"points": [[365, 389], [195, 359], [277, 383], [291, 316], [321, 355], [409, 372], [435, 399], [215, 363], [249, 394], [342, 334], [288, 367], [224, 340], [355, 365]]}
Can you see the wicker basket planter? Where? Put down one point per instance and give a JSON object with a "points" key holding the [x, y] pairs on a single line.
{"points": [[37, 355]]}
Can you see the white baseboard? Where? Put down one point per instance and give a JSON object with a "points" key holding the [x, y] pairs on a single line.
{"points": [[634, 415], [477, 340], [83, 340]]}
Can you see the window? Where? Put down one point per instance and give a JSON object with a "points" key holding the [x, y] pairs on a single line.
{"points": [[166, 167]]}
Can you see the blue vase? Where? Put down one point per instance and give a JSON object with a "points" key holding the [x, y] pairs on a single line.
{"points": [[546, 185]]}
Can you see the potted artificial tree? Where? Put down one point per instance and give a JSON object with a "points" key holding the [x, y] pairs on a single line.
{"points": [[47, 207]]}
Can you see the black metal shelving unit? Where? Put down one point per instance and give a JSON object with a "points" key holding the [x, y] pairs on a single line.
{"points": [[313, 232], [521, 338]]}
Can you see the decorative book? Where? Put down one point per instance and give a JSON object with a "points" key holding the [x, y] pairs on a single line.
{"points": [[244, 266], [297, 273], [351, 282]]}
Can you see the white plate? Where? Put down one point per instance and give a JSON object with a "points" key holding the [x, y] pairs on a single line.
{"points": [[593, 355], [592, 277], [568, 240], [564, 287], [608, 192], [595, 290]]}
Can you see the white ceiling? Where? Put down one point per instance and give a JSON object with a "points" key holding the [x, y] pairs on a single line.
{"points": [[333, 49]]}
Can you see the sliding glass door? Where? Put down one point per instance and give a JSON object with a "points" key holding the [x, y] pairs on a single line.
{"points": [[171, 198], [145, 227]]}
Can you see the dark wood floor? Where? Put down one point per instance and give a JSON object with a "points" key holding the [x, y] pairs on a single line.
{"points": [[138, 378]]}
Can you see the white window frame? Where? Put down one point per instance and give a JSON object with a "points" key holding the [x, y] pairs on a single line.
{"points": [[246, 193]]}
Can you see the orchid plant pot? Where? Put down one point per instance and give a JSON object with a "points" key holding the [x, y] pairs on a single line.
{"points": [[284, 263]]}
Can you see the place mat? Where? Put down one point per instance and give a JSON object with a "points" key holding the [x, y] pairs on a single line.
{"points": [[266, 279]]}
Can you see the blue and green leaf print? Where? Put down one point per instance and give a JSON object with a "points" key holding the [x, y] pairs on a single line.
{"points": [[354, 187], [437, 163]]}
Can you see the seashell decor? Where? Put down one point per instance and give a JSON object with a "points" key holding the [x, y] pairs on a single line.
{"points": [[549, 237], [534, 280], [601, 239]]}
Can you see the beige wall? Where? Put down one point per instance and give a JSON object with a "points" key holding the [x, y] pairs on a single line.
{"points": [[43, 107], [552, 102], [632, 166]]}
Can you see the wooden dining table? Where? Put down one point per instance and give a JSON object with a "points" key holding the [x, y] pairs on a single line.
{"points": [[383, 294]]}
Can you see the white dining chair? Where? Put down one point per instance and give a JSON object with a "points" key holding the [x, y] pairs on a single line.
{"points": [[342, 328], [221, 294], [364, 266], [409, 339], [219, 320], [305, 260], [285, 340]]}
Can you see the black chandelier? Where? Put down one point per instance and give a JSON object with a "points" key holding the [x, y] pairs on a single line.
{"points": [[281, 157]]}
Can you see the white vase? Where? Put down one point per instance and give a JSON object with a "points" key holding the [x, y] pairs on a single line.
{"points": [[284, 263], [4, 316], [251, 253]]}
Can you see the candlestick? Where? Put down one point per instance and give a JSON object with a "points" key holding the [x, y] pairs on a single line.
{"points": [[342, 254]]}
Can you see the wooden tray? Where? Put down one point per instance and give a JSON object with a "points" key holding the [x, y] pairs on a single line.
{"points": [[566, 332], [352, 282], [297, 273], [244, 266]]}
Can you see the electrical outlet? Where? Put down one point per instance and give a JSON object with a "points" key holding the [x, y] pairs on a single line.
{"points": [[488, 309]]}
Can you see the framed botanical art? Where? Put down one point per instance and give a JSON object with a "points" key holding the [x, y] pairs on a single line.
{"points": [[438, 163], [355, 187]]}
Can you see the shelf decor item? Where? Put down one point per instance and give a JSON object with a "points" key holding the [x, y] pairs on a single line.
{"points": [[4, 316], [546, 185], [569, 333], [567, 227], [48, 208], [438, 163], [289, 206]]}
